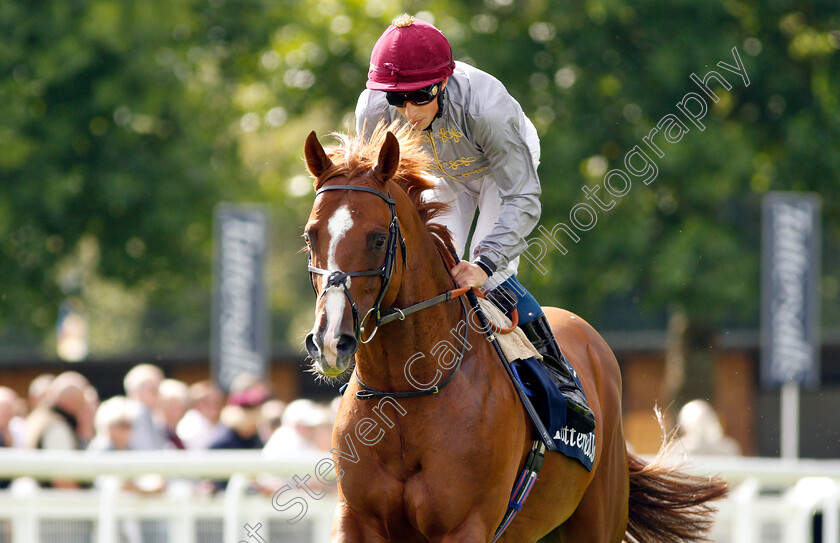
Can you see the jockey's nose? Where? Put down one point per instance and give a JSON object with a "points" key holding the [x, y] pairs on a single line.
{"points": [[412, 111], [346, 346]]}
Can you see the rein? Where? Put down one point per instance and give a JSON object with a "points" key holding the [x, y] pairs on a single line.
{"points": [[394, 313], [369, 393]]}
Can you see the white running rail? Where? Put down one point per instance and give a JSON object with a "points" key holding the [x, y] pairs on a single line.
{"points": [[772, 500], [105, 513], [776, 500]]}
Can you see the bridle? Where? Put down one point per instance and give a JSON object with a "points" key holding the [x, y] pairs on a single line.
{"points": [[338, 278]]}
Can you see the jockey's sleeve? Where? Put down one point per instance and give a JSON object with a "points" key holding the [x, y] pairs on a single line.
{"points": [[370, 109], [499, 131]]}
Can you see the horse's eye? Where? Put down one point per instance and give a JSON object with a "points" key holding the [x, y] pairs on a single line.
{"points": [[306, 238], [380, 241]]}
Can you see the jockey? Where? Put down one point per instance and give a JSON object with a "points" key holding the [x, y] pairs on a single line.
{"points": [[485, 152]]}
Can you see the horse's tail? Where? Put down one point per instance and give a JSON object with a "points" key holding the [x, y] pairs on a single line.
{"points": [[668, 505]]}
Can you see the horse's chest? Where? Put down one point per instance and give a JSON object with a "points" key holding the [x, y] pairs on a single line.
{"points": [[422, 471], [411, 474]]}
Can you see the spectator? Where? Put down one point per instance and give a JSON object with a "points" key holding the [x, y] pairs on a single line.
{"points": [[38, 388], [271, 416], [172, 406], [114, 423], [306, 427], [141, 384], [701, 433], [240, 419], [8, 408], [87, 428], [200, 425], [8, 405], [54, 424], [241, 416]]}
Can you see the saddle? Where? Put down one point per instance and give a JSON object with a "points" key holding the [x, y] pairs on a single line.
{"points": [[538, 384]]}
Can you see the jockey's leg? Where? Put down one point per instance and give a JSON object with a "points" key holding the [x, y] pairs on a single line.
{"points": [[533, 322]]}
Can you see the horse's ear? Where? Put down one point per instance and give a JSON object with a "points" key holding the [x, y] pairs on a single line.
{"points": [[317, 161], [389, 158]]}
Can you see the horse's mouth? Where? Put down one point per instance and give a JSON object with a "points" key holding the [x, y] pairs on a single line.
{"points": [[322, 367], [331, 372]]}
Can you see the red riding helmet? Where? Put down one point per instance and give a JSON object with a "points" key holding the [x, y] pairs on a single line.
{"points": [[410, 54]]}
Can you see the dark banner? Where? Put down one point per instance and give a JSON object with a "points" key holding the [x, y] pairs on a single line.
{"points": [[239, 341], [789, 290]]}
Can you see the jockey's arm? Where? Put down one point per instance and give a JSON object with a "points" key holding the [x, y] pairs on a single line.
{"points": [[500, 132]]}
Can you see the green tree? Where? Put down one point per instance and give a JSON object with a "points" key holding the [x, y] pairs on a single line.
{"points": [[116, 147], [125, 124]]}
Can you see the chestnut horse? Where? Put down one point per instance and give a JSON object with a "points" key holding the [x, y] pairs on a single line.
{"points": [[435, 455]]}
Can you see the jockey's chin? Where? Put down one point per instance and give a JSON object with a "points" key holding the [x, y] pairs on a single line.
{"points": [[419, 124], [419, 117]]}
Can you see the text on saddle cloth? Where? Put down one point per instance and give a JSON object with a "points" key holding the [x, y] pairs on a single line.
{"points": [[551, 408]]}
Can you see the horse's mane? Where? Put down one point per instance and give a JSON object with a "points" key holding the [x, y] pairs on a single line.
{"points": [[356, 156]]}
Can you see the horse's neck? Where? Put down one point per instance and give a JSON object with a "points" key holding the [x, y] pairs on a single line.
{"points": [[407, 346]]}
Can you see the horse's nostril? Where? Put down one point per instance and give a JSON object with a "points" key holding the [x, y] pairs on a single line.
{"points": [[312, 347], [346, 345]]}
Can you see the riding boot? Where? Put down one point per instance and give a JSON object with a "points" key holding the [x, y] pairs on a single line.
{"points": [[578, 414]]}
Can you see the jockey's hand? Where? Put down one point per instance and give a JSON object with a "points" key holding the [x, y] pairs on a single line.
{"points": [[468, 274]]}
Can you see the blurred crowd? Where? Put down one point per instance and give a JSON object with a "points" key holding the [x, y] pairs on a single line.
{"points": [[64, 412]]}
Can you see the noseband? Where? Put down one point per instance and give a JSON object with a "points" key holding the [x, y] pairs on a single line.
{"points": [[338, 278]]}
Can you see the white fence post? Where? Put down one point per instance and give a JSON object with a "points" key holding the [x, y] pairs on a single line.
{"points": [[323, 522], [232, 527], [107, 526], [182, 528], [743, 524], [831, 516], [25, 527], [809, 495]]}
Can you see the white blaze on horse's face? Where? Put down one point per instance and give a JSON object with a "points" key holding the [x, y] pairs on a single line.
{"points": [[338, 226]]}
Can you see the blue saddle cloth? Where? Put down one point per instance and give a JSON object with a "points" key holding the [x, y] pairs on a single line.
{"points": [[551, 407]]}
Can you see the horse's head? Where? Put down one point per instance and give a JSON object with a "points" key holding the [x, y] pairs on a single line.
{"points": [[354, 243]]}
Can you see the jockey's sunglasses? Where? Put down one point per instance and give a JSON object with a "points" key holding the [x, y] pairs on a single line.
{"points": [[419, 97]]}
